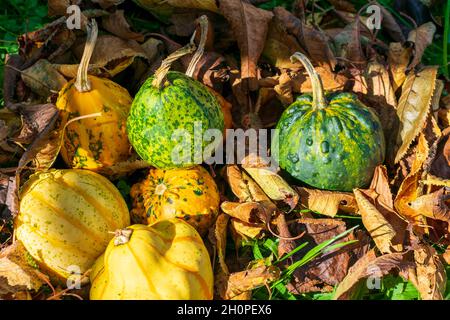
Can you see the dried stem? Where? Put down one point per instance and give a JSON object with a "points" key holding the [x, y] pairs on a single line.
{"points": [[82, 83], [161, 73], [319, 101], [203, 22]]}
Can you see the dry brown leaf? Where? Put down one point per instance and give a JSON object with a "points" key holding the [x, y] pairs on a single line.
{"points": [[105, 4], [373, 267], [398, 60], [382, 232], [286, 244], [407, 193], [152, 48], [245, 230], [10, 124], [117, 24], [15, 272], [45, 148], [431, 276], [301, 82], [379, 84], [328, 203], [326, 271], [343, 5], [315, 42], [111, 56], [437, 165], [250, 26], [9, 198], [248, 212], [413, 107], [433, 205], [421, 153], [274, 186], [247, 280], [380, 184], [35, 119], [209, 5], [421, 37], [220, 234], [59, 7], [354, 52], [280, 46], [389, 23], [244, 187], [43, 78], [446, 256]]}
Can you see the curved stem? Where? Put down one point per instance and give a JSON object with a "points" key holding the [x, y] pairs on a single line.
{"points": [[319, 101], [203, 21], [82, 83], [161, 73]]}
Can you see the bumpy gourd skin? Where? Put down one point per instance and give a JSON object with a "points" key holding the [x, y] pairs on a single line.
{"points": [[95, 142], [334, 148], [164, 261], [66, 218], [189, 194], [157, 113]]}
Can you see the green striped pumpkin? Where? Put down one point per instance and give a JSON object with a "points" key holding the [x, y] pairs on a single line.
{"points": [[332, 142]]}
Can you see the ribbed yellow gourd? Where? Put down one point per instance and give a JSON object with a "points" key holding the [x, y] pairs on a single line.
{"points": [[67, 218], [164, 261], [189, 194]]}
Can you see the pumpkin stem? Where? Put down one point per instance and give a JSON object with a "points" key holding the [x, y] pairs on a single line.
{"points": [[203, 22], [319, 101], [122, 236], [160, 189], [161, 73], [82, 83]]}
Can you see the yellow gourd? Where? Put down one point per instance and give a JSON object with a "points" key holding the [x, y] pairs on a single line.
{"points": [[163, 261], [189, 194], [99, 141], [67, 218]]}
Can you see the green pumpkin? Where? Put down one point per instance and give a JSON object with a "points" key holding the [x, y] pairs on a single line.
{"points": [[333, 142], [159, 111]]}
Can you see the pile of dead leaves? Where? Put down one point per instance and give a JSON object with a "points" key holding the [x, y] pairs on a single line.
{"points": [[405, 214]]}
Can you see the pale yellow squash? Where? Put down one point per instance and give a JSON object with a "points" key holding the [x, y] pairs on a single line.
{"points": [[67, 218], [164, 261]]}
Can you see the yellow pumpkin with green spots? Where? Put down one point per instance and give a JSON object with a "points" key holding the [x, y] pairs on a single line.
{"points": [[67, 218], [189, 194], [164, 261], [93, 142]]}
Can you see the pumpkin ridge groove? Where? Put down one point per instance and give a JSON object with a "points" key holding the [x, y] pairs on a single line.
{"points": [[177, 239], [58, 212], [115, 191], [91, 201], [163, 256], [58, 242], [203, 284], [142, 269]]}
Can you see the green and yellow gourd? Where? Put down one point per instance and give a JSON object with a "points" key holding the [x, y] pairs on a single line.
{"points": [[164, 261], [67, 218], [94, 142], [169, 116], [188, 194], [333, 142]]}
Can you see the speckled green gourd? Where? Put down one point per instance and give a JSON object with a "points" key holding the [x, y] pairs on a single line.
{"points": [[331, 143], [156, 114]]}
